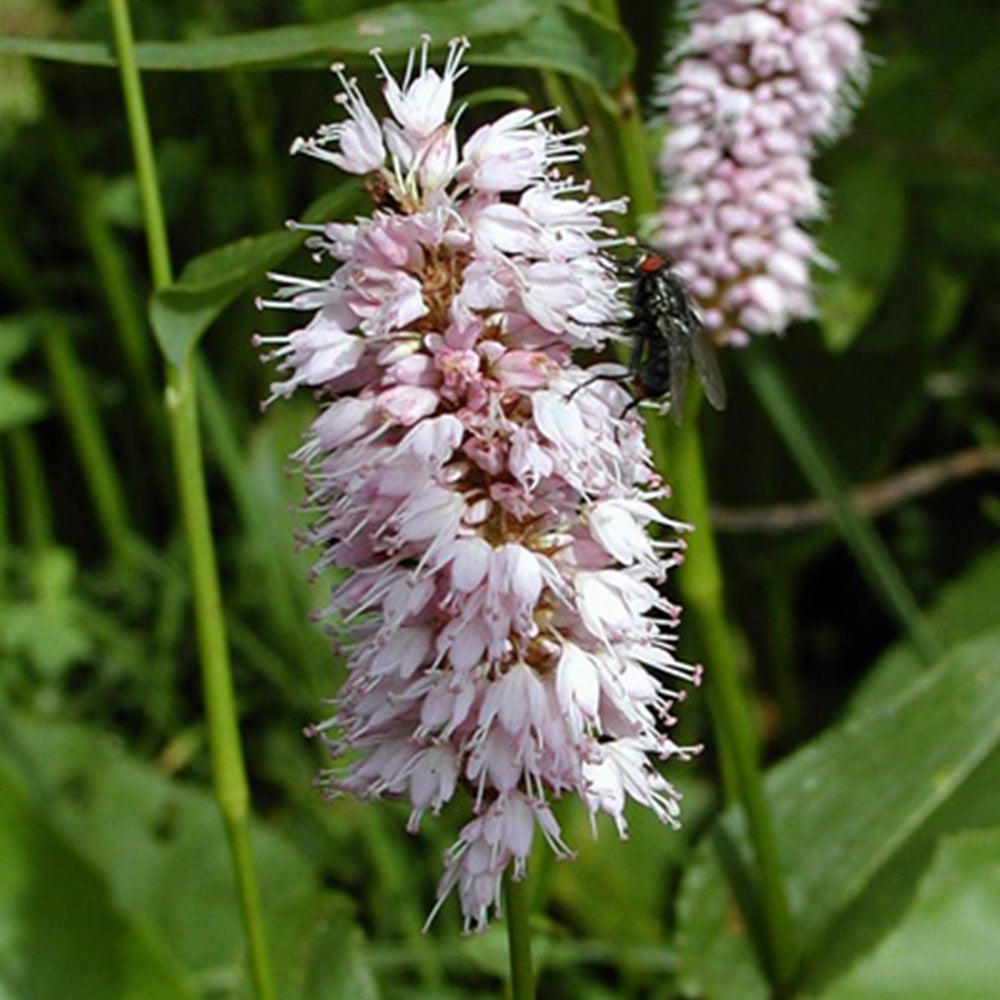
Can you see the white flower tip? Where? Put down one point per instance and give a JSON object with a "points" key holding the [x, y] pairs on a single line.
{"points": [[337, 67], [375, 51], [258, 304], [298, 143]]}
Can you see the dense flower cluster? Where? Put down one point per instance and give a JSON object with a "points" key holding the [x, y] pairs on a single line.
{"points": [[754, 85], [489, 496]]}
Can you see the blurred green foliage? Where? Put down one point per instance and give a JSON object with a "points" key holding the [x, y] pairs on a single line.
{"points": [[114, 881]]}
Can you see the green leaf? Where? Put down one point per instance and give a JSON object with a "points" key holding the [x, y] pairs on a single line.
{"points": [[947, 946], [539, 34], [857, 814], [161, 847], [61, 934], [19, 404], [966, 608], [395, 28], [865, 236], [182, 312], [50, 628], [564, 39], [340, 965]]}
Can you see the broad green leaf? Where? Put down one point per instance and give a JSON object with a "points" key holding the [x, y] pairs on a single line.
{"points": [[395, 28], [161, 847], [61, 932], [966, 608], [865, 236], [857, 814], [340, 966], [564, 39], [531, 33], [947, 946], [181, 313]]}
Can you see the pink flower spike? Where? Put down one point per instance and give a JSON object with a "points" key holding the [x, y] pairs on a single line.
{"points": [[506, 636], [751, 92]]}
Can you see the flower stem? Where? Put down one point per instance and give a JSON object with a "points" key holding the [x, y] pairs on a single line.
{"points": [[76, 400], [228, 770], [33, 506], [518, 909], [701, 587]]}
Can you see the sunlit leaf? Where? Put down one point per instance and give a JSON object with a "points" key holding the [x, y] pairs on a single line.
{"points": [[947, 946], [61, 931], [161, 848], [967, 607], [857, 814]]}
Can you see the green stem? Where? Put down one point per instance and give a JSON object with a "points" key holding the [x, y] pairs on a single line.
{"points": [[820, 469], [123, 301], [32, 496], [115, 277], [5, 538], [518, 908], [701, 587], [635, 154], [228, 770], [76, 400]]}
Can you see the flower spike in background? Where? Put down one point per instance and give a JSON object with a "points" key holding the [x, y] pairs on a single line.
{"points": [[753, 87], [490, 498]]}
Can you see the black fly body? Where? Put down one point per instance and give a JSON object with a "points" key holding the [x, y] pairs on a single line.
{"points": [[667, 334]]}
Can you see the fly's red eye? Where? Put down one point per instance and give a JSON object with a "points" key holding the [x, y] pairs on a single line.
{"points": [[652, 263]]}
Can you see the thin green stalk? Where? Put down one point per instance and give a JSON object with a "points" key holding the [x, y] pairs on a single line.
{"points": [[228, 769], [820, 469], [93, 450], [32, 496], [114, 275], [76, 400], [123, 301], [635, 155], [256, 120], [5, 545], [701, 586], [517, 905]]}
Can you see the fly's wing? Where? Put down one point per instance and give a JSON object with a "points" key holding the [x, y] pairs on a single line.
{"points": [[679, 356], [639, 344], [708, 367]]}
